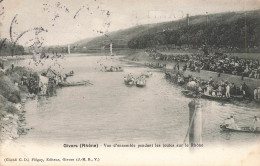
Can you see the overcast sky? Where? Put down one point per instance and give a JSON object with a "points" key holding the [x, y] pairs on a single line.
{"points": [[67, 21]]}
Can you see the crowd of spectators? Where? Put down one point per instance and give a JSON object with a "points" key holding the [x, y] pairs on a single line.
{"points": [[216, 62]]}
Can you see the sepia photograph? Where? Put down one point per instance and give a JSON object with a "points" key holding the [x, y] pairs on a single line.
{"points": [[130, 82]]}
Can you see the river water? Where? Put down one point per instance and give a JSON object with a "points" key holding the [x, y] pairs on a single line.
{"points": [[109, 111]]}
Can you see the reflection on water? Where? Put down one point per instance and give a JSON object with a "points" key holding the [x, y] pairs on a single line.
{"points": [[111, 112]]}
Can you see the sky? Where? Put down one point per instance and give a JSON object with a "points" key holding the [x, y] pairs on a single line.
{"points": [[68, 21]]}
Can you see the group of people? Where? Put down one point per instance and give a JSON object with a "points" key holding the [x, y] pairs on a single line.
{"points": [[211, 87], [31, 83], [217, 62], [220, 89]]}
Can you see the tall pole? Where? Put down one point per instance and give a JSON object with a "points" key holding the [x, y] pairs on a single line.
{"points": [[245, 38], [195, 123], [68, 48], [111, 49], [207, 18], [207, 21], [188, 20], [188, 25]]}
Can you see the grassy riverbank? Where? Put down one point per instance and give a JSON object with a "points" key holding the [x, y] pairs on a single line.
{"points": [[12, 98]]}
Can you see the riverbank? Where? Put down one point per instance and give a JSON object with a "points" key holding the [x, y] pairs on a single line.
{"points": [[12, 100], [142, 57]]}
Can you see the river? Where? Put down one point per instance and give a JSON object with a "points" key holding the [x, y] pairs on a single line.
{"points": [[109, 111]]}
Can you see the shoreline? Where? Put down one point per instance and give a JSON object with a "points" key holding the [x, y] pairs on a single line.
{"points": [[141, 58], [12, 102]]}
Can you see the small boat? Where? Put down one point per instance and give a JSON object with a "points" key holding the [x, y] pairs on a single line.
{"points": [[217, 98], [129, 82], [114, 69], [238, 97], [239, 129], [189, 93], [140, 82], [64, 84], [147, 74], [69, 74]]}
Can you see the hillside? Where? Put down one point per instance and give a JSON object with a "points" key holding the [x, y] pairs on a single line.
{"points": [[229, 30], [119, 38], [9, 48], [222, 29]]}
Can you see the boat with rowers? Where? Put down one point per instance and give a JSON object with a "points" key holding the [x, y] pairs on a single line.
{"points": [[140, 81], [192, 94], [113, 69], [189, 93], [129, 80], [147, 74], [71, 73], [217, 98], [230, 125], [78, 83], [239, 129]]}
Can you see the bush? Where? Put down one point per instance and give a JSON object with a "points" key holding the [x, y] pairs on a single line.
{"points": [[9, 90]]}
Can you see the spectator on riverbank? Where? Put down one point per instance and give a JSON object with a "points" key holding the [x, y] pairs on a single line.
{"points": [[244, 89], [228, 91], [256, 94], [12, 66]]}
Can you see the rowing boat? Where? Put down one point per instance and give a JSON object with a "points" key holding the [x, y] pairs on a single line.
{"points": [[215, 97], [140, 83], [239, 129], [64, 84], [114, 69], [147, 74], [119, 70], [189, 93], [129, 82], [69, 74]]}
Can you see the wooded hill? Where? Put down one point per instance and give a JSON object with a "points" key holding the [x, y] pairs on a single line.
{"points": [[234, 30], [221, 30], [8, 48]]}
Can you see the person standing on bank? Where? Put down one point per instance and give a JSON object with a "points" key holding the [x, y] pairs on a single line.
{"points": [[12, 66], [228, 91], [255, 93]]}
